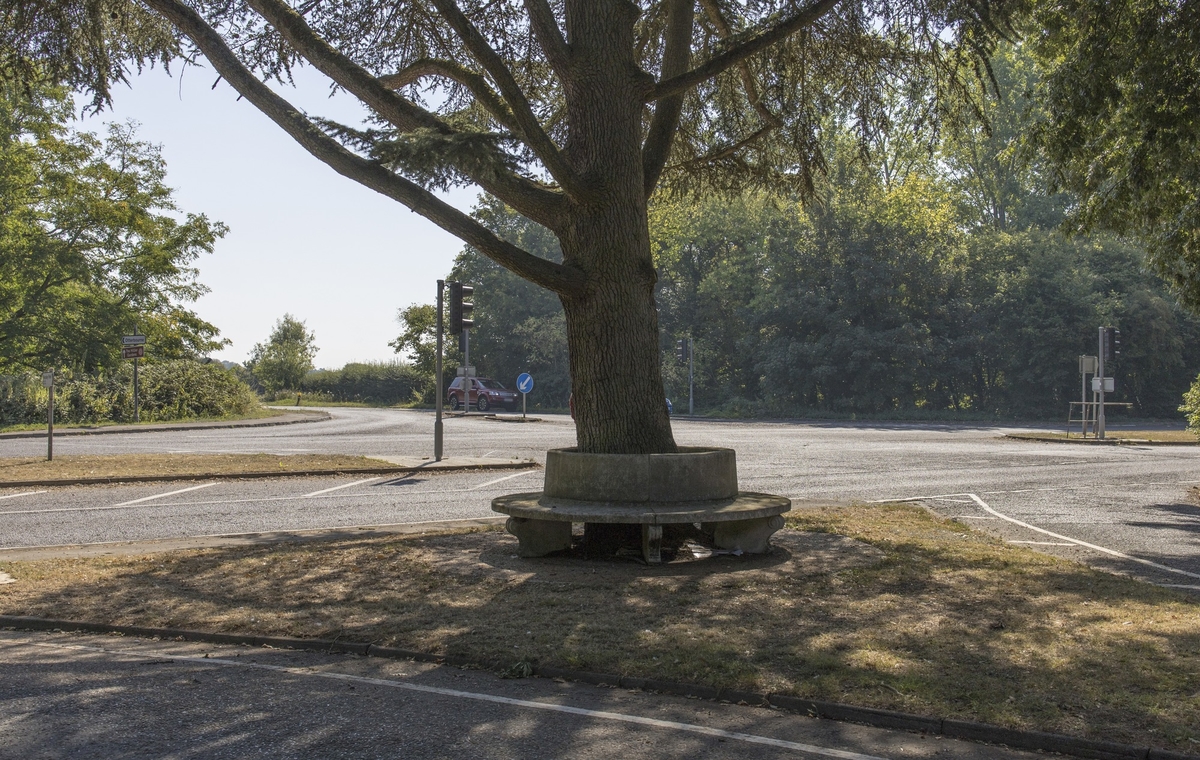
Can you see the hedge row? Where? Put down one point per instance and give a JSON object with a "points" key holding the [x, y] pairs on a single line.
{"points": [[171, 390], [374, 383]]}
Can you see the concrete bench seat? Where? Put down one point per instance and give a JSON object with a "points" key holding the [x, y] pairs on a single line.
{"points": [[742, 523], [693, 485]]}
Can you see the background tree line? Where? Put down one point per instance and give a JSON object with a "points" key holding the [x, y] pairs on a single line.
{"points": [[934, 273]]}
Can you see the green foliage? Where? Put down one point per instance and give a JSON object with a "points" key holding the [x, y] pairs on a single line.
{"points": [[1121, 124], [170, 390], [418, 337], [386, 383], [91, 243], [282, 362], [86, 44], [519, 327], [1191, 407]]}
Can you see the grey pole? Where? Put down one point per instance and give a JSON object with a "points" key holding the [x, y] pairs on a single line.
{"points": [[50, 425], [1083, 395], [466, 344], [691, 386], [1100, 371], [437, 423]]}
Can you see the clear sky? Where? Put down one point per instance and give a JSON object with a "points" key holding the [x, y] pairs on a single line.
{"points": [[302, 240]]}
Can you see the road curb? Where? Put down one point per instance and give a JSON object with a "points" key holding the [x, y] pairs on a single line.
{"points": [[1098, 442], [958, 729], [391, 470], [297, 418]]}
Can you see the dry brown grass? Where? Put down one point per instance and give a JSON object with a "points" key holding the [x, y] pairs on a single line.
{"points": [[884, 606], [1131, 436], [17, 469]]}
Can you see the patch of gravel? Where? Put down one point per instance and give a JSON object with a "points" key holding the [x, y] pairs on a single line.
{"points": [[794, 554]]}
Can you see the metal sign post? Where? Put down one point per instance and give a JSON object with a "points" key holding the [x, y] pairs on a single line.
{"points": [[524, 385], [48, 384], [437, 423], [1101, 375], [134, 347]]}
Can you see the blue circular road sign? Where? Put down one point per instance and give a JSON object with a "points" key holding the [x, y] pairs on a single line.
{"points": [[525, 382]]}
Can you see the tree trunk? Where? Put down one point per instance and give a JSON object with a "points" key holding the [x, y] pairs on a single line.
{"points": [[612, 328]]}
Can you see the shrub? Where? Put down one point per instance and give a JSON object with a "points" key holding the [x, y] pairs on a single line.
{"points": [[1191, 407], [373, 383], [172, 390]]}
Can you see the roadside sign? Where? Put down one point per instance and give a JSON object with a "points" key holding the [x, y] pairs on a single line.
{"points": [[525, 382], [1109, 384], [133, 340], [47, 379], [133, 352], [466, 372]]}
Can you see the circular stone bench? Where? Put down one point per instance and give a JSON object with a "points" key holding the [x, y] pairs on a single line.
{"points": [[693, 486]]}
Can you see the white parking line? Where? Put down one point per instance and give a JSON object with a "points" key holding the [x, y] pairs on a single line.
{"points": [[501, 480], [337, 488], [1094, 547], [1074, 541], [27, 493], [164, 495], [479, 697]]}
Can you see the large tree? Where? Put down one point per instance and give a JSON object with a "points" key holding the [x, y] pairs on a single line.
{"points": [[92, 244], [573, 113]]}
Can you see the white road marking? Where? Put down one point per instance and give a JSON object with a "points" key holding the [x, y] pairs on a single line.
{"points": [[983, 505], [1111, 552], [1043, 543], [338, 488], [479, 697], [971, 517], [1180, 585], [501, 480], [27, 493], [164, 495]]}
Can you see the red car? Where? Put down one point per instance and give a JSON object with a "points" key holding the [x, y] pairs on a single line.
{"points": [[485, 393]]}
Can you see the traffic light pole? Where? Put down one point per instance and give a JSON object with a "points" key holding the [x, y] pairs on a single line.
{"points": [[691, 385], [467, 380], [437, 423], [1100, 371]]}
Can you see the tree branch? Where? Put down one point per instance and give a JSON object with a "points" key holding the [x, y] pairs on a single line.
{"points": [[536, 202], [531, 130], [549, 36], [456, 72], [748, 83], [677, 52], [561, 279], [755, 44]]}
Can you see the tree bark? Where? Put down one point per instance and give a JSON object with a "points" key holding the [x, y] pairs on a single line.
{"points": [[612, 326]]}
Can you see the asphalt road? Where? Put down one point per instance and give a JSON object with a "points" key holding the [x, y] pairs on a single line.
{"points": [[72, 696], [1115, 507]]}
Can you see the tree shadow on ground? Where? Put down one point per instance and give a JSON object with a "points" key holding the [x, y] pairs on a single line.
{"points": [[902, 611]]}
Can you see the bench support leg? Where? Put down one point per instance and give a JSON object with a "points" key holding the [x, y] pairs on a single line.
{"points": [[748, 536], [652, 544], [539, 537]]}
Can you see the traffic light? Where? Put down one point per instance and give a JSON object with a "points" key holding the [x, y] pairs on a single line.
{"points": [[460, 310], [681, 350], [1112, 343]]}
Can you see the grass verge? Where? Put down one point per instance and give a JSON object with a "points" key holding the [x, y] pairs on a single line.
{"points": [[883, 606], [1126, 436], [262, 412], [71, 467]]}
